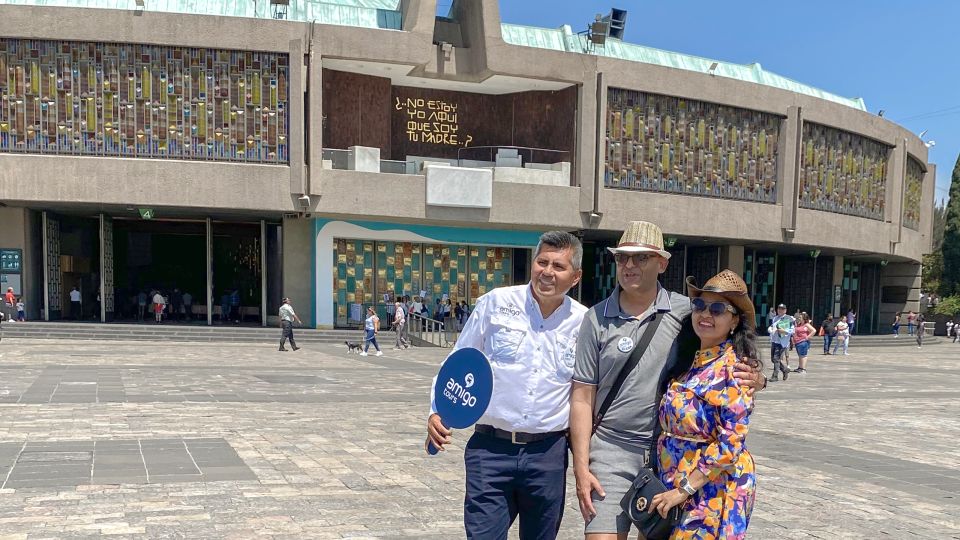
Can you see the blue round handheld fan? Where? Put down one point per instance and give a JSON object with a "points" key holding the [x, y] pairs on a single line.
{"points": [[463, 389]]}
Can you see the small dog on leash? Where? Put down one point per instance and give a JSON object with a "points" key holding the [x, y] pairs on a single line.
{"points": [[353, 346]]}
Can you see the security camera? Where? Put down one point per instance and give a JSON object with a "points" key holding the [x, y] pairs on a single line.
{"points": [[304, 201]]}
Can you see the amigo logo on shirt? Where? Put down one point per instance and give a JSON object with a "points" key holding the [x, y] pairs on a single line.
{"points": [[454, 391], [511, 310]]}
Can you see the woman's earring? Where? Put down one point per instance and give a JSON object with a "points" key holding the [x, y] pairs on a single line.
{"points": [[731, 331]]}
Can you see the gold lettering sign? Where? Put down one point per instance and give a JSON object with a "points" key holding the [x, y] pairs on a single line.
{"points": [[432, 121]]}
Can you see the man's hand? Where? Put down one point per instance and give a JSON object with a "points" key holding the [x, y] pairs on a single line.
{"points": [[587, 483], [747, 373], [436, 433]]}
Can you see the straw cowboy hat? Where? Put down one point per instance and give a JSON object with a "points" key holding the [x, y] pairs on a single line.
{"points": [[730, 286], [639, 237]]}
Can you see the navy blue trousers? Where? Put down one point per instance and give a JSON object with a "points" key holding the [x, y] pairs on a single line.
{"points": [[506, 480]]}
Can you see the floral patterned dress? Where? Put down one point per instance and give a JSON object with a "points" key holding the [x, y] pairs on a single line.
{"points": [[704, 416]]}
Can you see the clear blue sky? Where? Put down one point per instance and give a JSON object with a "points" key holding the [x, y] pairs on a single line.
{"points": [[901, 57]]}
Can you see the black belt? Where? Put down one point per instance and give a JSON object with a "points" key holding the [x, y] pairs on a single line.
{"points": [[516, 437]]}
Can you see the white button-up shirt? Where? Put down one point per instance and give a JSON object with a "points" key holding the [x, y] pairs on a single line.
{"points": [[287, 313], [532, 358]]}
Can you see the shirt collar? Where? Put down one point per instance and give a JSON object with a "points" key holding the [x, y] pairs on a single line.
{"points": [[612, 309]]}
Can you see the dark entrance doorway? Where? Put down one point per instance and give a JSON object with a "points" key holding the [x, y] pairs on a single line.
{"points": [[77, 269], [168, 257]]}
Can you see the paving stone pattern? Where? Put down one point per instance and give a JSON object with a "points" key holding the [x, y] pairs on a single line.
{"points": [[228, 440]]}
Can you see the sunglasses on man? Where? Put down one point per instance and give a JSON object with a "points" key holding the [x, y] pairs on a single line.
{"points": [[637, 258], [716, 308]]}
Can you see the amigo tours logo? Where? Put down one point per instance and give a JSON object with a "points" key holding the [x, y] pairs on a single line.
{"points": [[454, 391]]}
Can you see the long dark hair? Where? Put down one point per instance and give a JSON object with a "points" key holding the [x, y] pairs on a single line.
{"points": [[744, 340]]}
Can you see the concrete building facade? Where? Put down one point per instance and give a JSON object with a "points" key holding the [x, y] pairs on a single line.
{"points": [[385, 151]]}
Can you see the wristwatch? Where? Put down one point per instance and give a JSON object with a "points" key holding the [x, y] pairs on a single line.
{"points": [[686, 487]]}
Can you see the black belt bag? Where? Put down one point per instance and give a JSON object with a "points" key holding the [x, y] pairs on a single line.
{"points": [[636, 503]]}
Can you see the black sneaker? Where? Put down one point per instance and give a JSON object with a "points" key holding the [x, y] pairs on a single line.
{"points": [[785, 374]]}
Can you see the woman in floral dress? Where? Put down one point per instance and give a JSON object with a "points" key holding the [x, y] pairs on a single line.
{"points": [[704, 415]]}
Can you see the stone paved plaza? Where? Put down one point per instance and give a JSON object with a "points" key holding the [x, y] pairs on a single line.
{"points": [[163, 440]]}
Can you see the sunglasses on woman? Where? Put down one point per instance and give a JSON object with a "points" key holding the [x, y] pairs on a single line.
{"points": [[716, 308]]}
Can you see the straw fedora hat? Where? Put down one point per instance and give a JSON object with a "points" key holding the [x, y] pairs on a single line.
{"points": [[639, 237], [730, 286]]}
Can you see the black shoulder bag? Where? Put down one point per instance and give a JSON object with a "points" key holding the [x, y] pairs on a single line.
{"points": [[638, 498]]}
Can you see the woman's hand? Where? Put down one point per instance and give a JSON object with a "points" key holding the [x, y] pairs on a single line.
{"points": [[663, 502]]}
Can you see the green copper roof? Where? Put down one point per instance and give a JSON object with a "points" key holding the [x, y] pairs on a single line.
{"points": [[362, 13], [563, 39]]}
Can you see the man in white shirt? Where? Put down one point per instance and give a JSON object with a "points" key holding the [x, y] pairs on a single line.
{"points": [[400, 325], [516, 461], [75, 307], [287, 316]]}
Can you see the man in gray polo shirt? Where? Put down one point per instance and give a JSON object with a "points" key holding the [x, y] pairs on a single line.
{"points": [[606, 463]]}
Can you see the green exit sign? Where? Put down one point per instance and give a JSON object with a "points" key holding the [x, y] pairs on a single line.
{"points": [[146, 213]]}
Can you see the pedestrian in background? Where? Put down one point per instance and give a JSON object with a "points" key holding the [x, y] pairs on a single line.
{"points": [[187, 305], [801, 341], [400, 326], [75, 306], [287, 316], [896, 324], [781, 334], [371, 327], [828, 329], [21, 314], [8, 303], [911, 316], [920, 330], [843, 338], [158, 304]]}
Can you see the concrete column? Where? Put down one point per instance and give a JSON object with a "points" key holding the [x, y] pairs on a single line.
{"points": [[591, 109], [788, 168], [899, 276], [837, 282], [896, 171], [928, 201], [209, 273], [418, 15], [295, 127], [46, 267], [314, 116], [103, 268], [732, 257], [263, 273], [298, 278]]}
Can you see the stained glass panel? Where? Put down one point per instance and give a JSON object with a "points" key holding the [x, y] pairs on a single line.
{"points": [[842, 172], [668, 144], [914, 192], [134, 100]]}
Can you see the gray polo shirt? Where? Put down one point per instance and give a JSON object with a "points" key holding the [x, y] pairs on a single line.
{"points": [[607, 337]]}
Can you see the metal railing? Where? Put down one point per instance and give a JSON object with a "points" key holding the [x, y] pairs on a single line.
{"points": [[340, 160], [424, 331], [528, 155]]}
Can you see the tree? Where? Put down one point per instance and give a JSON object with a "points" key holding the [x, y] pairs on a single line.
{"points": [[939, 222], [932, 277], [951, 237]]}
